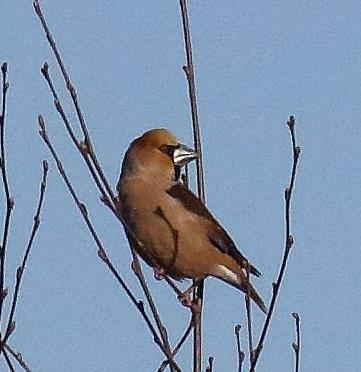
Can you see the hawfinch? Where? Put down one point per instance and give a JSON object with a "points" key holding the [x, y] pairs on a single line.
{"points": [[176, 232]]}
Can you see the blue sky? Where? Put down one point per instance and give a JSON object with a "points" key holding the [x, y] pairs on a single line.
{"points": [[256, 63]]}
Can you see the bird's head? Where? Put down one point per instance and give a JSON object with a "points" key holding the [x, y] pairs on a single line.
{"points": [[156, 153]]}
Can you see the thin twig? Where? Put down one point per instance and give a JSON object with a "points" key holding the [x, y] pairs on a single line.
{"points": [[249, 317], [189, 71], [240, 352], [101, 251], [297, 345], [18, 357], [78, 144], [8, 361], [87, 140], [182, 340], [20, 271], [9, 199], [162, 330], [296, 150]]}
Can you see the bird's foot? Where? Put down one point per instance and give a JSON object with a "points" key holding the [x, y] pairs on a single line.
{"points": [[159, 273], [185, 299]]}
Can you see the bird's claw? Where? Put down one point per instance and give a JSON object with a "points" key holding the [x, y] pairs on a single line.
{"points": [[159, 273], [185, 299]]}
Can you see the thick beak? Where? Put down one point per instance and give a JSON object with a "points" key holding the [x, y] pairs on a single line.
{"points": [[183, 155]]}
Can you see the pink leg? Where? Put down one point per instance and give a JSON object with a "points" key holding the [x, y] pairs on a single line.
{"points": [[159, 273], [185, 298]]}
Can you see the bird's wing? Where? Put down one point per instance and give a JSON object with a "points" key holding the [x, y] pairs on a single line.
{"points": [[216, 234]]}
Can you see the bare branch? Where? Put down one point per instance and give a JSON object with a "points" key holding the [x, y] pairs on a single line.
{"points": [[18, 357], [80, 145], [189, 71], [288, 242], [20, 271], [297, 345], [101, 251], [9, 199], [74, 97], [8, 362]]}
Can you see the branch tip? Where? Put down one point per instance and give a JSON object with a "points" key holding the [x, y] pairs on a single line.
{"points": [[45, 69], [4, 68]]}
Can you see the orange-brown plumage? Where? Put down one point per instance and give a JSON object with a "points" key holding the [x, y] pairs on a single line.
{"points": [[177, 232]]}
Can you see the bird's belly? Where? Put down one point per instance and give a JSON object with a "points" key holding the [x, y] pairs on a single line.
{"points": [[176, 242]]}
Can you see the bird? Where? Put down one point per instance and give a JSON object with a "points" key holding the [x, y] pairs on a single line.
{"points": [[167, 224]]}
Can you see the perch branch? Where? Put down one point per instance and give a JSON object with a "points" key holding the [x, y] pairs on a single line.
{"points": [[189, 71]]}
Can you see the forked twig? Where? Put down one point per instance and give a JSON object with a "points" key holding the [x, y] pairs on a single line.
{"points": [[18, 357], [20, 270], [297, 345], [288, 242], [9, 199], [8, 362], [240, 352], [189, 71], [86, 149], [101, 251], [181, 341]]}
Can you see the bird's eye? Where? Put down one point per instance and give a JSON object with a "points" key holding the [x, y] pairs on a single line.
{"points": [[168, 149]]}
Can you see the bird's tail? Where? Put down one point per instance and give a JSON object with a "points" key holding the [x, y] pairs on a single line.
{"points": [[237, 278], [247, 288]]}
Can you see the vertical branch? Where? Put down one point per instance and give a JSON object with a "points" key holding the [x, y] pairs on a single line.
{"points": [[189, 71], [240, 352], [296, 150], [297, 345], [9, 199]]}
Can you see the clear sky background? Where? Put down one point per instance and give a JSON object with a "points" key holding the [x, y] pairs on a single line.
{"points": [[256, 63]]}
